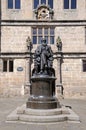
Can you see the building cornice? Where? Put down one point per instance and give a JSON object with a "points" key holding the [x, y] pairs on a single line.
{"points": [[71, 55], [17, 55], [65, 55], [43, 22]]}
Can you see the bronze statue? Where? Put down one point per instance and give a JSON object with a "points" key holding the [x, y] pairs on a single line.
{"points": [[42, 90], [43, 59]]}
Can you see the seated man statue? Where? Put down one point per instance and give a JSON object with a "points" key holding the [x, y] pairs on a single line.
{"points": [[43, 58]]}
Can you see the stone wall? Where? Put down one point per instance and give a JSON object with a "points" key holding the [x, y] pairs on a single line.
{"points": [[73, 78], [73, 38], [25, 13], [69, 14], [12, 83], [14, 38]]}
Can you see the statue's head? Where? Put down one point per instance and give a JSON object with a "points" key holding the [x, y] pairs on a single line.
{"points": [[43, 41]]}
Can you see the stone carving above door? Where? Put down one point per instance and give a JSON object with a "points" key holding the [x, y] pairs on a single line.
{"points": [[44, 12]]}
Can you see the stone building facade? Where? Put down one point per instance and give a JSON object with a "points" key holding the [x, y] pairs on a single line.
{"points": [[20, 19]]}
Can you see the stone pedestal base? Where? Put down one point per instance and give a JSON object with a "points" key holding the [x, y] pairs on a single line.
{"points": [[42, 93], [27, 115], [43, 104]]}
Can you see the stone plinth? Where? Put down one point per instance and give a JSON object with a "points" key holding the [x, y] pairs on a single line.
{"points": [[42, 93], [27, 115]]}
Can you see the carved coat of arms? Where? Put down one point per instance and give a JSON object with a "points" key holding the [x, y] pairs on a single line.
{"points": [[43, 12]]}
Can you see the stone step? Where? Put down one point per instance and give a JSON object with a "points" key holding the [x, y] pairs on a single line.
{"points": [[43, 119], [23, 114], [39, 112]]}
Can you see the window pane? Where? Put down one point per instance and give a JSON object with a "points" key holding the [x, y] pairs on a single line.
{"points": [[34, 31], [10, 4], [52, 40], [50, 3], [39, 39], [73, 4], [51, 31], [5, 66], [84, 66], [34, 39], [46, 31], [40, 31], [36, 3], [66, 4], [10, 66], [17, 4], [43, 1]]}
